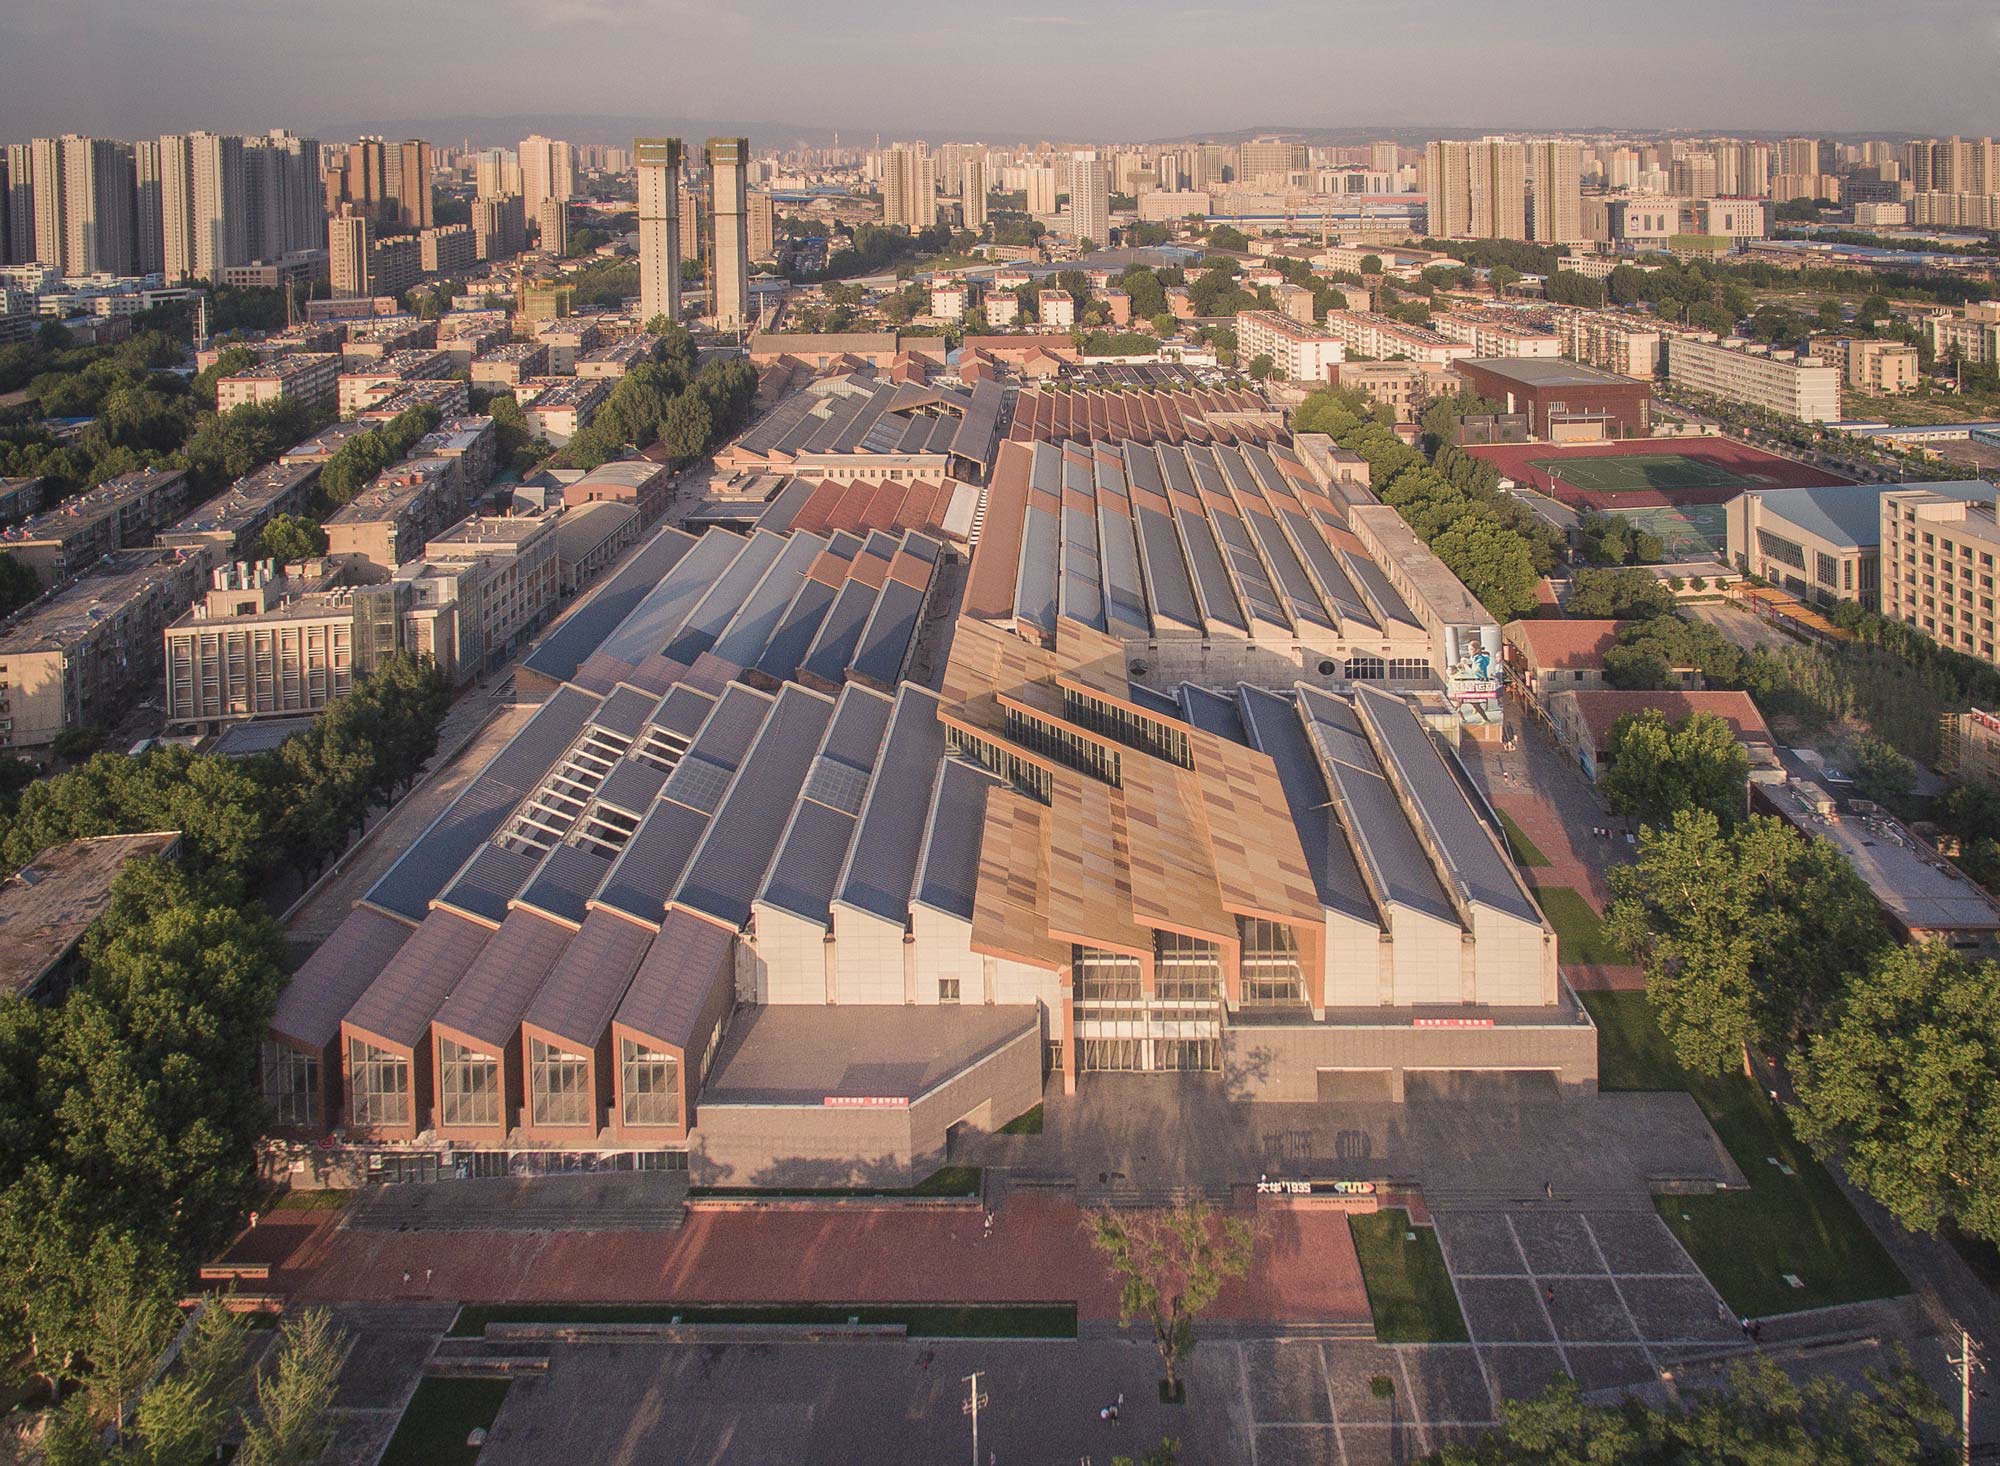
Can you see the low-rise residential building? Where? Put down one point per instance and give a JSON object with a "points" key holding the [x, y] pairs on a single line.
{"points": [[1547, 654], [447, 249], [614, 359], [1404, 387], [81, 655], [501, 576], [1971, 336], [120, 513], [381, 336], [1735, 370], [387, 523], [639, 482], [1055, 309], [309, 377], [950, 300], [20, 498], [1384, 338], [1880, 368], [446, 396], [1301, 353], [471, 441], [1627, 345], [323, 444], [1584, 720], [561, 406], [1939, 547], [590, 538], [1819, 543], [1497, 335], [233, 521], [567, 338], [506, 367], [365, 385]]}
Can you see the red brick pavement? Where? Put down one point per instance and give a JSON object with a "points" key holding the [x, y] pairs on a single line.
{"points": [[1305, 1268]]}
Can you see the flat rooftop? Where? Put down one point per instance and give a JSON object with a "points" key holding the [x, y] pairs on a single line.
{"points": [[794, 1054], [1541, 372], [1909, 879], [46, 908]]}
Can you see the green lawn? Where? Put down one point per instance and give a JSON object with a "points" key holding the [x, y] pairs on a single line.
{"points": [[1028, 1122], [1526, 851], [1409, 1289], [924, 1320], [1635, 472], [1580, 935], [1746, 1241], [440, 1415]]}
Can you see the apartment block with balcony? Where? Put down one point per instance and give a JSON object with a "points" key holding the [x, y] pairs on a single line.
{"points": [[1879, 368], [79, 656], [309, 377], [1627, 345], [120, 513], [388, 522], [1301, 353], [1940, 545]]}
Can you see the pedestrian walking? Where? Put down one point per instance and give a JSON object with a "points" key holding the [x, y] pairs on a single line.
{"points": [[406, 1277], [427, 1276], [1118, 1405], [1549, 1296], [989, 1226], [1744, 1324], [1104, 1414], [1549, 1190]]}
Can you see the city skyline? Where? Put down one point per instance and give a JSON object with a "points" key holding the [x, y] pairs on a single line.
{"points": [[904, 69]]}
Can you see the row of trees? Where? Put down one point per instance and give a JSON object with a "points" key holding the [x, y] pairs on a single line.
{"points": [[248, 821], [1489, 541], [1764, 1418], [356, 462], [279, 1411], [1753, 938], [666, 401]]}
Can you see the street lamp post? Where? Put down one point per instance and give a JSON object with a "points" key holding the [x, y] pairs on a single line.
{"points": [[973, 1401]]}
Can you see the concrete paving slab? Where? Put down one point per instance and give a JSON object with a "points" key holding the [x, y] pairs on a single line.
{"points": [[1504, 1310], [1610, 1366], [1287, 1382], [1678, 1309], [1479, 1242], [1556, 1242], [1297, 1445], [1638, 1242], [1521, 1371], [1351, 1369], [1447, 1384], [1588, 1310], [1380, 1445]]}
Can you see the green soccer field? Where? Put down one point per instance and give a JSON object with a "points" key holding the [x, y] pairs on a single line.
{"points": [[1639, 472]]}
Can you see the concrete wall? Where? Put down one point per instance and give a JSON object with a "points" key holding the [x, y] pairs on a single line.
{"points": [[1282, 1063], [802, 1145]]}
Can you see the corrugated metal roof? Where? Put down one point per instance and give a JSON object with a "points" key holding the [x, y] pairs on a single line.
{"points": [[677, 978], [885, 640], [749, 630], [406, 995], [948, 870], [1462, 839], [652, 861], [1274, 727], [495, 991], [839, 633], [796, 629], [725, 595], [646, 631], [583, 990], [564, 650], [565, 883], [492, 878], [882, 861], [330, 981], [632, 786], [1371, 814], [727, 868]]}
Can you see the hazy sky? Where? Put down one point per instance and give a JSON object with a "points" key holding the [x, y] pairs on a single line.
{"points": [[1102, 68]]}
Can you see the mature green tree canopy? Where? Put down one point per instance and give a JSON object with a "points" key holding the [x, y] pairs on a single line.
{"points": [[1618, 595], [1658, 769], [1904, 1086], [289, 538], [1764, 1418], [1746, 937]]}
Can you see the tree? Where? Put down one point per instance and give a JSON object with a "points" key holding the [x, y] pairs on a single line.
{"points": [[290, 538], [1227, 237], [183, 1418], [1763, 1418], [1262, 368], [1617, 595], [1881, 772], [1904, 1085], [685, 428], [18, 584], [291, 1425], [1746, 937], [1170, 1265], [1503, 278], [1657, 769]]}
